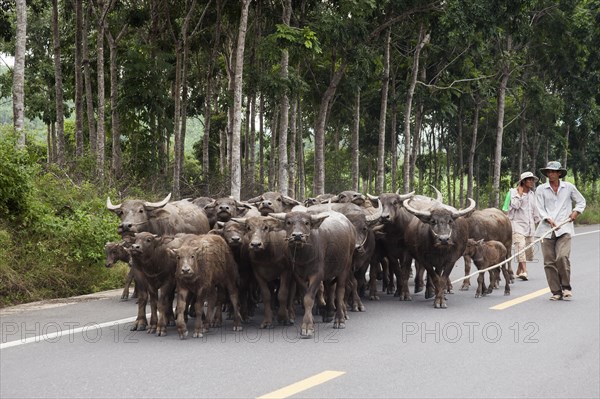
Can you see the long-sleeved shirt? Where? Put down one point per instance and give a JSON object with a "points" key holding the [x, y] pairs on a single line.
{"points": [[523, 212], [558, 206]]}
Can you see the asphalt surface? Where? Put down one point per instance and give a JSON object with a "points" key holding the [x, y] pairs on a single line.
{"points": [[82, 347]]}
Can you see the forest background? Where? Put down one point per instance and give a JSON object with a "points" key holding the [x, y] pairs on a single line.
{"points": [[135, 99]]}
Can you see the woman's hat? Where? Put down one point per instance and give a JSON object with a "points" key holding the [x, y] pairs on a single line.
{"points": [[554, 165], [527, 175]]}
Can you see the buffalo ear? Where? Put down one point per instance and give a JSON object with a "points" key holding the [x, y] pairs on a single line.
{"points": [[424, 218], [276, 223], [172, 252], [160, 213], [217, 232]]}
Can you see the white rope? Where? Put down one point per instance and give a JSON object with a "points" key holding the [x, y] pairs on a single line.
{"points": [[514, 256]]}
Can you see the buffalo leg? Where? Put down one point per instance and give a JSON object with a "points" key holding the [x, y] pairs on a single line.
{"points": [[265, 293], [340, 312], [307, 330], [125, 293], [180, 322], [141, 322], [466, 282], [153, 295], [419, 280]]}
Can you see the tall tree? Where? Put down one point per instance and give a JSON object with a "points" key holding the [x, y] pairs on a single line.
{"points": [[58, 87], [102, 12], [116, 159], [385, 82], [79, 145], [18, 91], [285, 106], [423, 40], [87, 77], [236, 173]]}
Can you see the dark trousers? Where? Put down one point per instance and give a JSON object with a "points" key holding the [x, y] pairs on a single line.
{"points": [[556, 251]]}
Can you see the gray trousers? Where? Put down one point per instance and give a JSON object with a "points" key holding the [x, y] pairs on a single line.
{"points": [[556, 252]]}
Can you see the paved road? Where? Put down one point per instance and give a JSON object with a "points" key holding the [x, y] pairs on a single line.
{"points": [[534, 348]]}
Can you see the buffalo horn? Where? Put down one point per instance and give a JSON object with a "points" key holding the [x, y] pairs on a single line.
{"points": [[414, 211], [466, 211], [278, 216], [158, 204], [374, 217], [404, 197], [335, 198], [439, 194], [373, 197], [110, 206]]}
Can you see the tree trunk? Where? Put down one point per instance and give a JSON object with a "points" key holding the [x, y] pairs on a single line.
{"points": [[394, 134], [354, 144], [460, 167], [472, 149], [272, 151], [116, 161], [100, 135], [284, 106], [87, 76], [261, 143], [236, 177], [495, 199], [252, 145], [300, 147], [58, 88], [385, 82], [423, 40], [18, 89], [566, 153], [416, 144], [79, 145], [292, 140], [319, 176]]}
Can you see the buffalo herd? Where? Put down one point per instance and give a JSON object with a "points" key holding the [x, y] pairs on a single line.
{"points": [[210, 256]]}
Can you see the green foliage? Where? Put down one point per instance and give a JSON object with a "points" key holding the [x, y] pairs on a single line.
{"points": [[52, 233], [15, 177]]}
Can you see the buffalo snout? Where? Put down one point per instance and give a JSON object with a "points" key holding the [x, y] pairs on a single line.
{"points": [[186, 269], [255, 244]]}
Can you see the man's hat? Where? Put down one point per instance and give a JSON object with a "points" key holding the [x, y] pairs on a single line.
{"points": [[527, 175], [554, 165]]}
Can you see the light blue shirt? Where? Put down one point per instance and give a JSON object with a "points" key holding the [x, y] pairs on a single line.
{"points": [[558, 206]]}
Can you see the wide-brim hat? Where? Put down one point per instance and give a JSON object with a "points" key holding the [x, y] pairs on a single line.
{"points": [[527, 175], [554, 165]]}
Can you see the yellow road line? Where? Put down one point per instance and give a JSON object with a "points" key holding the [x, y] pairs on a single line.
{"points": [[303, 385], [520, 299]]}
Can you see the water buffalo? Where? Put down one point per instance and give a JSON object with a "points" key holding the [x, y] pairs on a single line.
{"points": [[320, 249], [226, 208], [273, 202], [161, 218], [319, 199], [204, 266], [266, 247], [390, 235], [117, 251], [154, 274], [233, 233], [365, 245], [489, 224], [484, 255], [437, 238]]}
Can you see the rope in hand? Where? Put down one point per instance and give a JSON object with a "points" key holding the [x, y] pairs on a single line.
{"points": [[515, 255]]}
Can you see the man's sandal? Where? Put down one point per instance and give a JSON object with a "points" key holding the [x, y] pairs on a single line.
{"points": [[556, 297], [567, 294]]}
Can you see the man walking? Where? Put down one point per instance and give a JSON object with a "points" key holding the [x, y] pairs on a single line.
{"points": [[523, 215], [555, 200]]}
